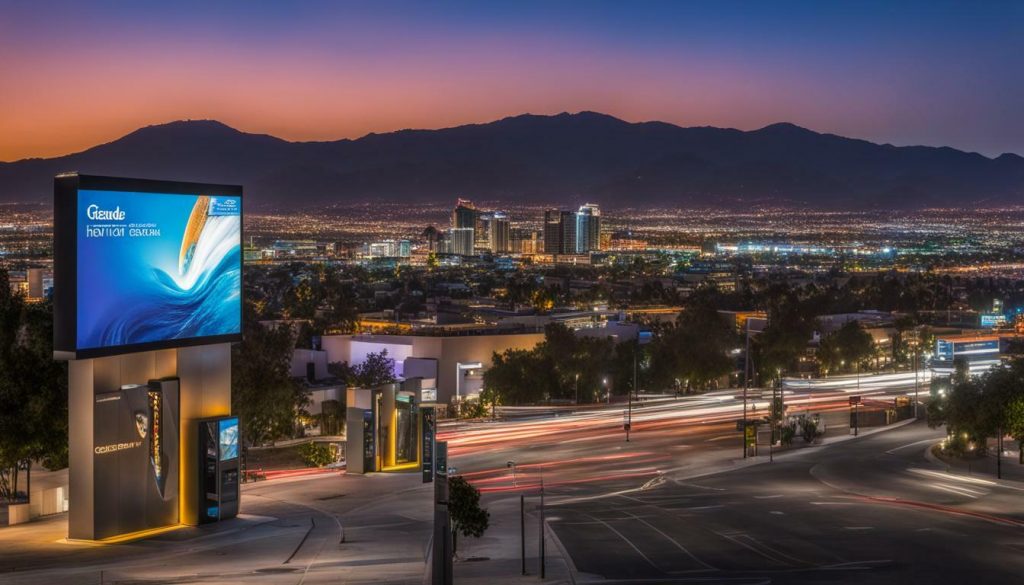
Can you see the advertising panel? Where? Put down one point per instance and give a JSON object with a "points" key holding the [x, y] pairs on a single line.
{"points": [[135, 458], [145, 265], [993, 320]]}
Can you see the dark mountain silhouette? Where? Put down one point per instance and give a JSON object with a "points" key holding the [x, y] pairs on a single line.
{"points": [[531, 158]]}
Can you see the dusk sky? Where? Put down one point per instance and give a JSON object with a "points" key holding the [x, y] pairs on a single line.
{"points": [[73, 75]]}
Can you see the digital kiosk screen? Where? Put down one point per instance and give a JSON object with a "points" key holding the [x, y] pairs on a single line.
{"points": [[229, 439], [155, 265]]}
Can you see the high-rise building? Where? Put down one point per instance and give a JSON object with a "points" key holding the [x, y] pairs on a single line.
{"points": [[499, 233], [570, 228], [526, 241], [460, 241], [552, 231], [465, 215], [588, 228], [572, 232]]}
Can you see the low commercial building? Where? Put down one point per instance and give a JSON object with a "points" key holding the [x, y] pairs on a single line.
{"points": [[455, 362]]}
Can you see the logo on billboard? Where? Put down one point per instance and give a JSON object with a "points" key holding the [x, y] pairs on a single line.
{"points": [[142, 424], [94, 212], [115, 447]]}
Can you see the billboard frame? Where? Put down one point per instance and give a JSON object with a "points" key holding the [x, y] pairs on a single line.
{"points": [[65, 259]]}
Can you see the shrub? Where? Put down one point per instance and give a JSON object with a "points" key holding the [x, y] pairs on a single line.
{"points": [[810, 430], [318, 454]]}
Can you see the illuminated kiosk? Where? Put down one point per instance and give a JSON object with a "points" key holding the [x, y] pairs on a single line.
{"points": [[147, 299], [387, 428]]}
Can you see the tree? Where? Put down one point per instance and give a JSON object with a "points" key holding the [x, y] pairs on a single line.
{"points": [[376, 370], [33, 390], [850, 344], [694, 351], [263, 394], [464, 506]]}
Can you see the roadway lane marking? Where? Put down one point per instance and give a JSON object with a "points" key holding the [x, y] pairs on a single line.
{"points": [[629, 542], [678, 545], [768, 497], [759, 547], [705, 507], [859, 527], [703, 487], [722, 438], [893, 451], [956, 490], [954, 477]]}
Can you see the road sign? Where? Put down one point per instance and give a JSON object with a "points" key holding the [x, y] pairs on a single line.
{"points": [[427, 440], [854, 400], [751, 434]]}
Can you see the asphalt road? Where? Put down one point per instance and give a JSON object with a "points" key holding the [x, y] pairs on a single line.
{"points": [[868, 510]]}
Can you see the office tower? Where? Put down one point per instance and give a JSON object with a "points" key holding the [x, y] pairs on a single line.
{"points": [[499, 233], [432, 237], [588, 228], [465, 215], [552, 231], [568, 240], [526, 241], [461, 241]]}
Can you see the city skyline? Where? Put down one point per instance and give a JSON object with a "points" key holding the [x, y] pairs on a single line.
{"points": [[904, 74]]}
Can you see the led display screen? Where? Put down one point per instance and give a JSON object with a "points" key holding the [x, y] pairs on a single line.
{"points": [[146, 265], [228, 439]]}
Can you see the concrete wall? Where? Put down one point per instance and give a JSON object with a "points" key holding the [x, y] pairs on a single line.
{"points": [[301, 357]]}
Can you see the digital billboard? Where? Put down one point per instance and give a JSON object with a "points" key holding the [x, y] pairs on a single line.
{"points": [[145, 265]]}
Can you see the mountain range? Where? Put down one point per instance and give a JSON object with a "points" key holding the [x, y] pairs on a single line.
{"points": [[563, 158]]}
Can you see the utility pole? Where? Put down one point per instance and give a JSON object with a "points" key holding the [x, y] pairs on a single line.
{"points": [[746, 385], [999, 454], [522, 529], [542, 527], [629, 404]]}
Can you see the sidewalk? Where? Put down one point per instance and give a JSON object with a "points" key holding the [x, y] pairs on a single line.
{"points": [[496, 558]]}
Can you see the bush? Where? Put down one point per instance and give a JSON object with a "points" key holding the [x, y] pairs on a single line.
{"points": [[318, 454], [810, 430], [787, 434]]}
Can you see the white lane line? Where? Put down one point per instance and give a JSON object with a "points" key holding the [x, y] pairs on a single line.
{"points": [[678, 545], [859, 527], [832, 503], [704, 507], [629, 542], [722, 438], [893, 451], [961, 478], [952, 490], [768, 497]]}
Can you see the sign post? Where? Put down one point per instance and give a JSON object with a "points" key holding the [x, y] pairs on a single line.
{"points": [[428, 439], [442, 555], [855, 403]]}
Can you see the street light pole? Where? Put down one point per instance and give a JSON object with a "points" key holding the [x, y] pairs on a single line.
{"points": [[916, 358], [746, 385], [577, 388]]}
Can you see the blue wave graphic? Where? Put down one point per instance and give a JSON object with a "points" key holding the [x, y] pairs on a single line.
{"points": [[200, 303]]}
